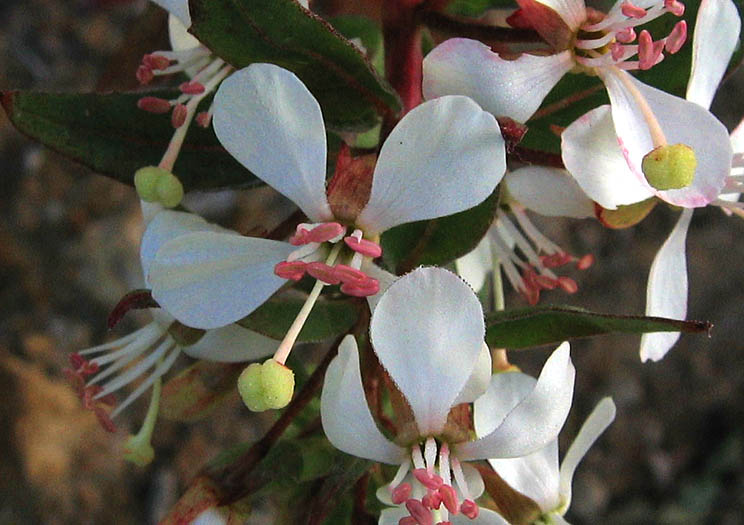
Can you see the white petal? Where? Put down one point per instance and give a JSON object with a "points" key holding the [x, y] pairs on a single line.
{"points": [[682, 122], [211, 516], [534, 475], [269, 121], [475, 266], [180, 38], [392, 516], [716, 36], [427, 331], [479, 380], [536, 420], [666, 294], [593, 157], [600, 418], [384, 277], [505, 391], [178, 8], [573, 12], [485, 517], [167, 225], [207, 280], [347, 422], [737, 144], [549, 191], [230, 344], [504, 88], [444, 156]]}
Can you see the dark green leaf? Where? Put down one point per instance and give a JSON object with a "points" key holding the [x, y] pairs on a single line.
{"points": [[341, 479], [110, 135], [328, 318], [474, 8], [281, 32], [541, 325], [439, 241]]}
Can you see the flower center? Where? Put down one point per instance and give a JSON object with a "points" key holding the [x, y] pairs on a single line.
{"points": [[314, 241], [432, 493], [613, 40]]}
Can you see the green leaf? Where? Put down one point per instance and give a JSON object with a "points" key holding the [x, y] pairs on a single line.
{"points": [[327, 319], [475, 8], [281, 32], [438, 241], [110, 135], [541, 325], [344, 474]]}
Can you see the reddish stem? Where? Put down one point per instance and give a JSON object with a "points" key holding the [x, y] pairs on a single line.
{"points": [[403, 57]]}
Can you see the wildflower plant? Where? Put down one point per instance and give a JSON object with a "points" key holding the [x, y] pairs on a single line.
{"points": [[406, 145]]}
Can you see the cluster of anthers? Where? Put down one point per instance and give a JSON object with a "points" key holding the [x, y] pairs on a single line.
{"points": [[307, 259], [541, 256], [615, 33], [205, 71], [432, 491]]}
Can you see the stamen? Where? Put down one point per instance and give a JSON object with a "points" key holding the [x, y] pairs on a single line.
{"points": [[648, 50], [293, 270], [675, 7], [156, 62], [364, 246], [154, 105], [191, 88], [626, 36], [470, 509], [178, 117], [365, 289], [401, 493], [430, 454], [419, 512], [632, 11], [449, 497], [429, 480], [323, 272], [676, 38]]}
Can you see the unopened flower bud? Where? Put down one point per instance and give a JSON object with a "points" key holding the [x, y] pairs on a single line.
{"points": [[138, 450], [146, 181], [670, 167], [266, 386], [170, 190]]}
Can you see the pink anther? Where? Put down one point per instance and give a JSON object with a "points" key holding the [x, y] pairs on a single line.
{"points": [[325, 232], [156, 62], [365, 289], [632, 11], [408, 520], [144, 75], [364, 246], [350, 275], [178, 117], [617, 50], [432, 500], [568, 285], [648, 50], [675, 7], [585, 262], [625, 36], [323, 272], [676, 38], [203, 118], [82, 366], [421, 514], [104, 419], [293, 270], [430, 481], [470, 509], [545, 282], [401, 493], [444, 523], [449, 498], [192, 88], [154, 105], [557, 259]]}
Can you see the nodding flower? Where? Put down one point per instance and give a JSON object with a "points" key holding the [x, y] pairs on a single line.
{"points": [[427, 331]]}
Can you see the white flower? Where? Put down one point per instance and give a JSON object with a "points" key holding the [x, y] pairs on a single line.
{"points": [[529, 259], [427, 332], [538, 475], [443, 157], [644, 117], [151, 351]]}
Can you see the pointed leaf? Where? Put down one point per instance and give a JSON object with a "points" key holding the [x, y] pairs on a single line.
{"points": [[523, 328], [281, 32], [110, 135], [328, 318]]}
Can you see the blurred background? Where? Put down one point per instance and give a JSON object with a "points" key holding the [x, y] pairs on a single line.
{"points": [[68, 252]]}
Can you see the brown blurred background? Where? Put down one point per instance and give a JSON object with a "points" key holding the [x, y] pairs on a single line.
{"points": [[68, 252]]}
